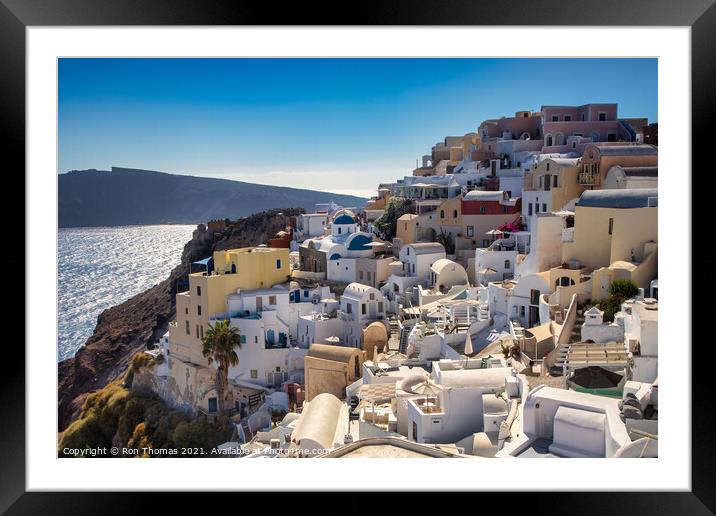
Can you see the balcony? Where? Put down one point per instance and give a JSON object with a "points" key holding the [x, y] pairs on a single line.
{"points": [[430, 405]]}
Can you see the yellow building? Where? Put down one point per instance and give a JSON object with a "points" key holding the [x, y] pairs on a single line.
{"points": [[246, 268], [330, 369], [611, 226], [406, 229], [615, 235], [557, 176]]}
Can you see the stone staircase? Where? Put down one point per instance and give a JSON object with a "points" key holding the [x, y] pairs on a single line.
{"points": [[403, 343], [460, 319], [394, 326], [247, 430]]}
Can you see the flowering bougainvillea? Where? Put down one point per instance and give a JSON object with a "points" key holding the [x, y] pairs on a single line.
{"points": [[511, 227]]}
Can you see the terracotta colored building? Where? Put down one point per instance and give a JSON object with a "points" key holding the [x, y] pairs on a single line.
{"points": [[599, 158]]}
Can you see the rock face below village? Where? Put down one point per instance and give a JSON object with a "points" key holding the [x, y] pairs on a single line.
{"points": [[131, 326]]}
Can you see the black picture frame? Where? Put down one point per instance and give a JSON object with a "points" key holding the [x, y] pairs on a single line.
{"points": [[17, 15]]}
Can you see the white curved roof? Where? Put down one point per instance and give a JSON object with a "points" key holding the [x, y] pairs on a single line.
{"points": [[620, 264], [358, 291], [483, 195], [318, 421], [440, 264], [493, 378], [426, 247]]}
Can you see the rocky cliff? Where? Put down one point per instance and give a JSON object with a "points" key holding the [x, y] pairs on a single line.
{"points": [[131, 326]]}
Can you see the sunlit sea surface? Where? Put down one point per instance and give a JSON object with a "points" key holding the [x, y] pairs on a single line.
{"points": [[102, 267]]}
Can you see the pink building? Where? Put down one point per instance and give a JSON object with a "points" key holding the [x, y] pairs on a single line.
{"points": [[565, 127], [561, 129]]}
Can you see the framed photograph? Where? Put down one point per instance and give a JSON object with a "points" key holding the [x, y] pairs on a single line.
{"points": [[432, 233]]}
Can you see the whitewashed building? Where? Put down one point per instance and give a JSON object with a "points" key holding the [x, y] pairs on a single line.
{"points": [[360, 305]]}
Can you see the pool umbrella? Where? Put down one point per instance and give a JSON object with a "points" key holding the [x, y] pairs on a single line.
{"points": [[468, 344], [427, 387], [494, 233], [595, 377]]}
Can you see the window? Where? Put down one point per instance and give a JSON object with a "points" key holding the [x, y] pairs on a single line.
{"points": [[339, 231], [567, 118], [612, 137], [256, 339], [213, 406], [186, 310], [554, 181], [536, 207], [470, 231], [547, 167], [198, 290], [564, 281], [305, 293], [188, 331], [507, 264], [583, 117], [242, 338], [611, 225], [522, 311], [483, 209], [201, 331], [555, 118], [372, 296], [529, 209], [278, 369], [278, 264], [254, 373], [544, 207], [602, 117], [360, 275], [454, 214], [380, 306], [272, 300], [349, 308], [198, 309], [362, 308], [442, 214], [197, 331]]}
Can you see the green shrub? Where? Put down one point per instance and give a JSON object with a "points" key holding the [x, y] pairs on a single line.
{"points": [[396, 208], [623, 289], [132, 415], [139, 420], [610, 306], [162, 436], [199, 434], [83, 433], [139, 360]]}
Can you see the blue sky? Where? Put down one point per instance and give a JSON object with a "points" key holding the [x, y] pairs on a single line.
{"points": [[341, 125]]}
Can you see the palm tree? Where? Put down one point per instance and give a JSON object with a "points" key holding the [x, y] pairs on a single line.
{"points": [[219, 343]]}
